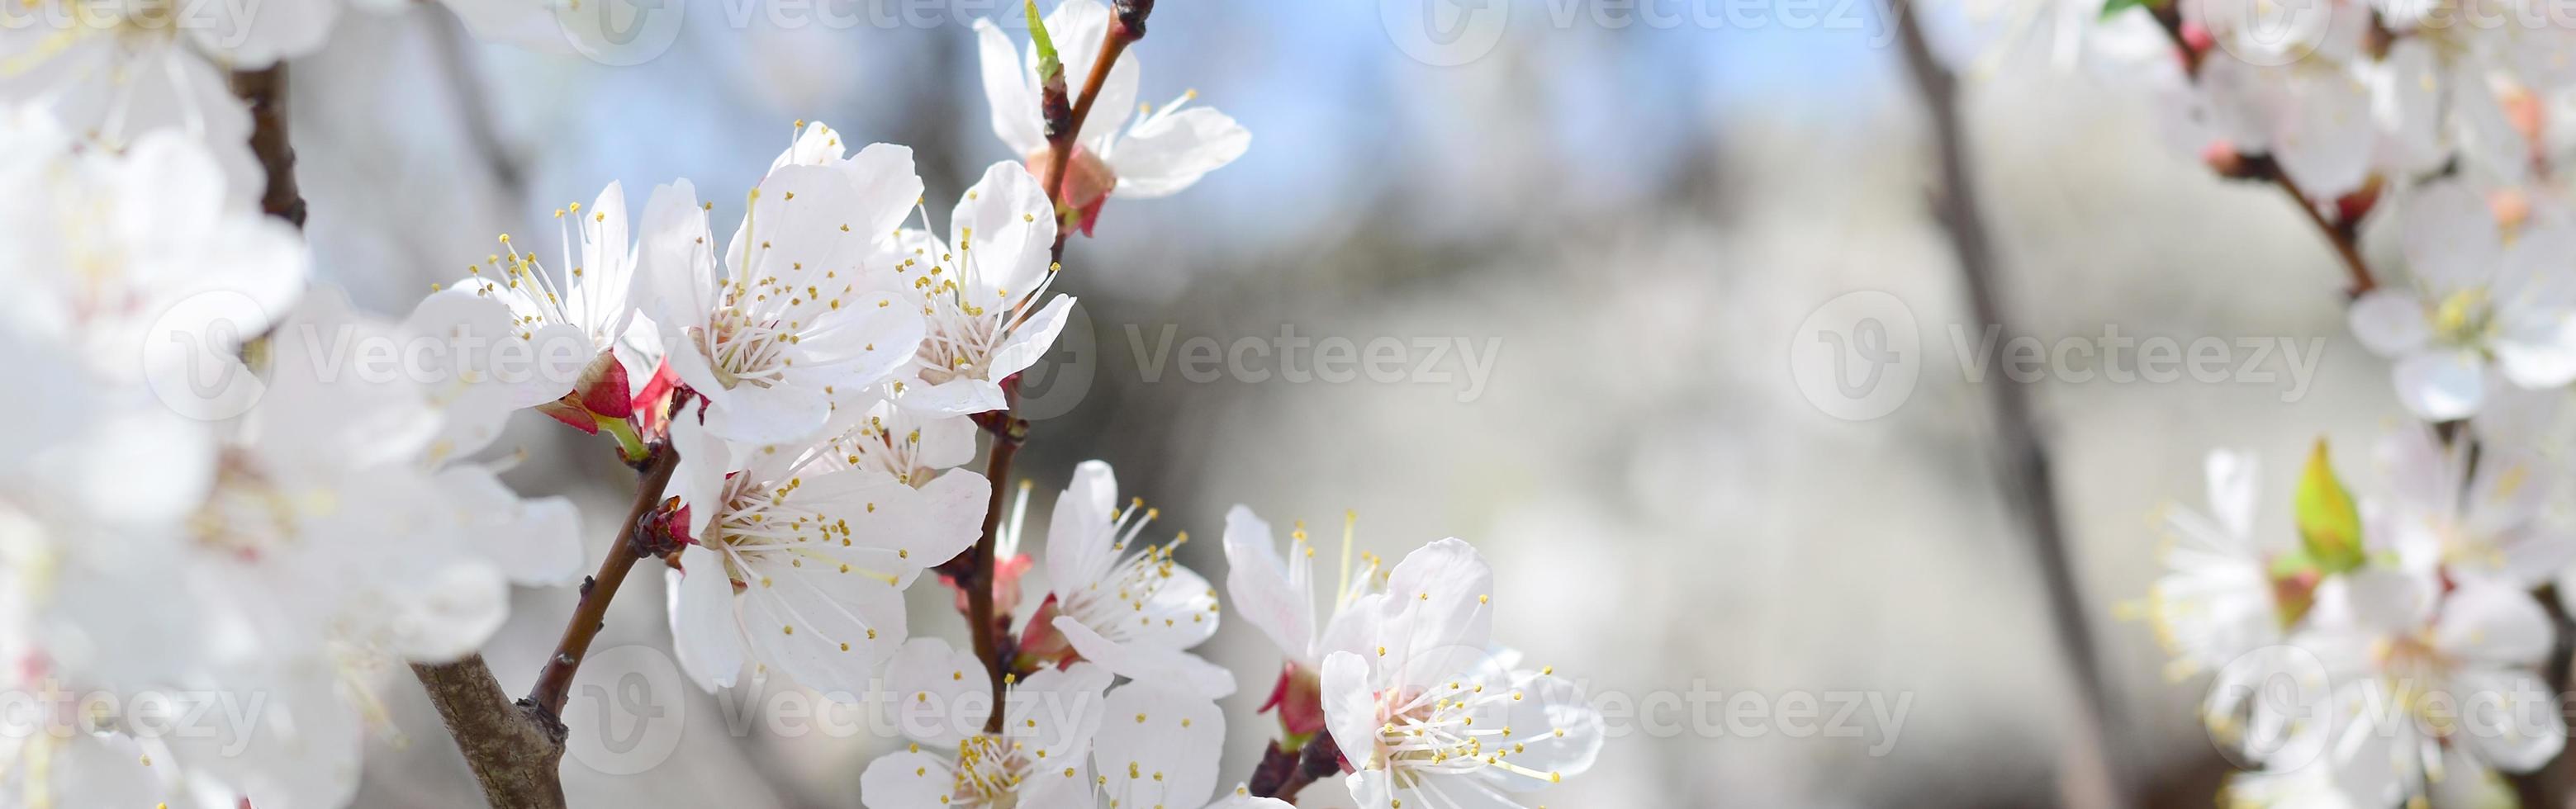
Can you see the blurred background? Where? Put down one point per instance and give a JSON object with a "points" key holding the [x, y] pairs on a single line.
{"points": [[1627, 207]]}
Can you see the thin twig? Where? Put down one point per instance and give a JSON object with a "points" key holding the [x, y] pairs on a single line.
{"points": [[2024, 459], [265, 91], [1127, 26], [554, 682], [2343, 234], [1063, 119]]}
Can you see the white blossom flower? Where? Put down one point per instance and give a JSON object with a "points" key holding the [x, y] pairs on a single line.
{"points": [[584, 309], [979, 293], [101, 245], [2477, 306], [2429, 690], [1427, 716], [117, 71], [1164, 152], [1278, 595], [2472, 517], [943, 697], [797, 563], [2215, 602], [793, 318], [1126, 606], [116, 87], [1159, 747], [875, 432]]}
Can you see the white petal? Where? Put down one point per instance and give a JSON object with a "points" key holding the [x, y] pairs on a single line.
{"points": [[1436, 617], [704, 634], [2493, 624], [2450, 237], [2234, 480], [1261, 587], [675, 261], [779, 414], [2390, 322], [1031, 339], [1057, 711], [1146, 662], [907, 780], [2510, 717], [1079, 534], [942, 695], [1168, 739], [1557, 732], [1013, 224], [2540, 353], [532, 541], [1168, 153], [824, 625], [1350, 709], [602, 300], [1006, 91], [2441, 385]]}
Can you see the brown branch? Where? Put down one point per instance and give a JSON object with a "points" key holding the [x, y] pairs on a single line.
{"points": [[516, 748], [1008, 433], [1064, 121], [513, 753], [974, 570], [2090, 774], [265, 91], [2342, 233], [1282, 772], [554, 682]]}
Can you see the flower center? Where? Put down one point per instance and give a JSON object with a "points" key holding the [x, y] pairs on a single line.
{"points": [[2464, 317], [990, 770], [743, 350]]}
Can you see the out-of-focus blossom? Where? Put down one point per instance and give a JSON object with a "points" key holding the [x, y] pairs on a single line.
{"points": [[2477, 310], [1164, 152]]}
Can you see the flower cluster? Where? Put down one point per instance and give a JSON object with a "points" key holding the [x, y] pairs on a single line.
{"points": [[235, 483], [2393, 646], [279, 553]]}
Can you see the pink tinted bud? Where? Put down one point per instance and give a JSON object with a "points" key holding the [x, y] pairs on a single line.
{"points": [[2223, 158], [1299, 698], [1087, 182], [1040, 643], [2352, 207], [2510, 206], [2523, 110], [2197, 37]]}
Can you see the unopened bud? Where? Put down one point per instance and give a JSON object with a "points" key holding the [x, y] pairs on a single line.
{"points": [[2510, 206], [2223, 158]]}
